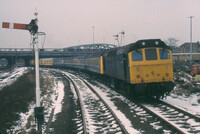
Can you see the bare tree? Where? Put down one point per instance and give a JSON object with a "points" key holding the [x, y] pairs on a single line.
{"points": [[172, 42]]}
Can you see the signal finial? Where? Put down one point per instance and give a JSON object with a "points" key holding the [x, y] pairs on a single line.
{"points": [[36, 13]]}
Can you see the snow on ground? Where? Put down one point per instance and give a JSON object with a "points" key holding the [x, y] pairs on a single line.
{"points": [[7, 78], [157, 111], [86, 93], [126, 122], [183, 94], [189, 103], [85, 96], [52, 99], [58, 101]]}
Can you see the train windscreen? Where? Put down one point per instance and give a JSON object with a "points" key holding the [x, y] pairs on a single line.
{"points": [[164, 54], [137, 56], [150, 54]]}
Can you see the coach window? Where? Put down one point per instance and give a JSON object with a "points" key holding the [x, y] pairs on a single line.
{"points": [[150, 54], [164, 54], [137, 56]]}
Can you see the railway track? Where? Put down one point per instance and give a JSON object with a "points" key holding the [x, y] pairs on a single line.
{"points": [[147, 120], [159, 115], [97, 116], [179, 120]]}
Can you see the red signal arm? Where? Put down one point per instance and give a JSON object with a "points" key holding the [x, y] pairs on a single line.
{"points": [[14, 25]]}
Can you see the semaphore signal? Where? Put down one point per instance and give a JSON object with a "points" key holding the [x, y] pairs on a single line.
{"points": [[31, 27]]}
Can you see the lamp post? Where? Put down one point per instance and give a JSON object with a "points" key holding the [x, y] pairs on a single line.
{"points": [[191, 38], [116, 37], [93, 33], [122, 34]]}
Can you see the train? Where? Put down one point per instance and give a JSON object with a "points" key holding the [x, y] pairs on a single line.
{"points": [[143, 68]]}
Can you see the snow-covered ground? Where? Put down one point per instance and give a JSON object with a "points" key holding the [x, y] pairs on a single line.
{"points": [[87, 94], [186, 93], [189, 102], [51, 100], [7, 78]]}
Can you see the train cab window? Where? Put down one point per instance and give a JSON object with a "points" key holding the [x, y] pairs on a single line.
{"points": [[137, 56], [164, 54], [151, 54]]}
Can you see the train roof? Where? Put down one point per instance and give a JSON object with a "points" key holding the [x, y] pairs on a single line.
{"points": [[137, 45], [146, 43], [97, 54]]}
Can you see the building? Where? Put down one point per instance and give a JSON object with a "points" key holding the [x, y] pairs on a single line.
{"points": [[185, 48]]}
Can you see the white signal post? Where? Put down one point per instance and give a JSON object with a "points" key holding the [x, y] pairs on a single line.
{"points": [[37, 72], [35, 44], [33, 29]]}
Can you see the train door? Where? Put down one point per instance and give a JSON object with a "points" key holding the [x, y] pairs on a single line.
{"points": [[121, 66], [125, 65]]}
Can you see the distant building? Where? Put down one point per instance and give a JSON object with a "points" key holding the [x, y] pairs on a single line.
{"points": [[185, 48]]}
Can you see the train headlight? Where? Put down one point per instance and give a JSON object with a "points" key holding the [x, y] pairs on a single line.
{"points": [[156, 42], [143, 43]]}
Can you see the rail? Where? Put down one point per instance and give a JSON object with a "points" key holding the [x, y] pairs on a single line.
{"points": [[111, 111], [105, 104], [81, 105], [175, 117]]}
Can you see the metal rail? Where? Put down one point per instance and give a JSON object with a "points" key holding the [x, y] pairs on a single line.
{"points": [[111, 111], [107, 106], [176, 109], [161, 118], [181, 110], [81, 105]]}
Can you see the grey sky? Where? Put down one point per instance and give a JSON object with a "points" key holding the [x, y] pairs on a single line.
{"points": [[69, 22]]}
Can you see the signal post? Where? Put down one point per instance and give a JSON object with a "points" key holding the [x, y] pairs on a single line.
{"points": [[32, 27]]}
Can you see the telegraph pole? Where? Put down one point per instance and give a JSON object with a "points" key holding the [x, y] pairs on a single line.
{"points": [[191, 38]]}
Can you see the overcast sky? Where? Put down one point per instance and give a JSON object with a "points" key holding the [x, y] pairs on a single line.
{"points": [[69, 22]]}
